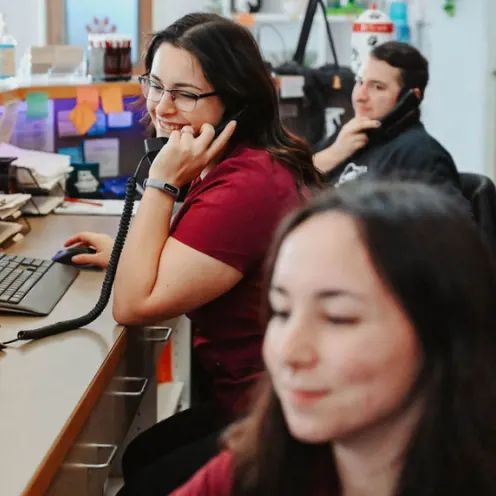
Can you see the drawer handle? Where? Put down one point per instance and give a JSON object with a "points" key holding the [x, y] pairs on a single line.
{"points": [[163, 334], [113, 450], [144, 380]]}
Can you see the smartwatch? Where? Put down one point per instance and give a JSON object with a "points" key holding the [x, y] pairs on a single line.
{"points": [[165, 187]]}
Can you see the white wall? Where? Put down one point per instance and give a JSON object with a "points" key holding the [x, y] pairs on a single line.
{"points": [[460, 91], [167, 11], [490, 103], [26, 21], [455, 108], [454, 111]]}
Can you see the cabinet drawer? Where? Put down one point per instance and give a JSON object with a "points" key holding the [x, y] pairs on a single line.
{"points": [[101, 441]]}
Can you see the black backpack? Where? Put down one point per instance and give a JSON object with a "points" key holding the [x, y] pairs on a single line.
{"points": [[326, 87]]}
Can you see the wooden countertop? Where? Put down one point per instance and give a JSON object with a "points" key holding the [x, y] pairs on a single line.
{"points": [[60, 88], [45, 396], [288, 86]]}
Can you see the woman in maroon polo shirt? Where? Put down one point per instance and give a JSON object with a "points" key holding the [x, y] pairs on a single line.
{"points": [[381, 355], [200, 71]]}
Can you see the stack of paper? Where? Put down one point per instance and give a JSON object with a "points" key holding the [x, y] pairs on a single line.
{"points": [[42, 205], [10, 205], [10, 210], [9, 231], [37, 169]]}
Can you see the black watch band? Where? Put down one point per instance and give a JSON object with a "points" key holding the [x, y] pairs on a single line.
{"points": [[162, 186]]}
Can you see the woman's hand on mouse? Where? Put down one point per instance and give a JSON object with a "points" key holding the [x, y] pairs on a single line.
{"points": [[185, 155], [102, 243]]}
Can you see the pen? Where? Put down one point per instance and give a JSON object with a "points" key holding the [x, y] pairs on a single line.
{"points": [[80, 200]]}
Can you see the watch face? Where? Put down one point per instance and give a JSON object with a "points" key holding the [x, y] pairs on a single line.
{"points": [[171, 189]]}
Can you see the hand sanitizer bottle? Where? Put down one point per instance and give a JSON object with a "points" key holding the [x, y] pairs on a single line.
{"points": [[7, 51]]}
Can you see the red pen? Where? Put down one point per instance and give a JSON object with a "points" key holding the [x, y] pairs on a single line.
{"points": [[80, 200]]}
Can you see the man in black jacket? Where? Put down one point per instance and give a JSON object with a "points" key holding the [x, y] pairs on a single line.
{"points": [[404, 151]]}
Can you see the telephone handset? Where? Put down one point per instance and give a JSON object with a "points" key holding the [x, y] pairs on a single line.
{"points": [[404, 108], [154, 145]]}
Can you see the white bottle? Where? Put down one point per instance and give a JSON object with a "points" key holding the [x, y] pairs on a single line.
{"points": [[370, 29], [7, 51]]}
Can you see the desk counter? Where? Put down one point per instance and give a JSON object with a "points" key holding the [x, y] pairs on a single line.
{"points": [[45, 391]]}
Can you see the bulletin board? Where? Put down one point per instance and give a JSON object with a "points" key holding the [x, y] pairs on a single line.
{"points": [[43, 122], [124, 129]]}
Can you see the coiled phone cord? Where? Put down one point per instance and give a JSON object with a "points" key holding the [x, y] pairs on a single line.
{"points": [[96, 311]]}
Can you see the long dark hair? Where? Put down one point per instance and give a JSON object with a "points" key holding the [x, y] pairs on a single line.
{"points": [[233, 65], [433, 259]]}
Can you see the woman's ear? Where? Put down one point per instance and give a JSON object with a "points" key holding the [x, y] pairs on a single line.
{"points": [[418, 93]]}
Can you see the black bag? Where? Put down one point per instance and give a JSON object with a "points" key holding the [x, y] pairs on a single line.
{"points": [[325, 88]]}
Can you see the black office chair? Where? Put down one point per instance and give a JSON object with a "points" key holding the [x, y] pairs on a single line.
{"points": [[480, 191]]}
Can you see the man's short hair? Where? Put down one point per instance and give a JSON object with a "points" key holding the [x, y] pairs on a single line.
{"points": [[413, 66]]}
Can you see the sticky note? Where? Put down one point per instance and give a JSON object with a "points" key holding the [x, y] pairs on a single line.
{"points": [[88, 95], [100, 126], [112, 100], [120, 120], [83, 117], [36, 105], [245, 19], [74, 152]]}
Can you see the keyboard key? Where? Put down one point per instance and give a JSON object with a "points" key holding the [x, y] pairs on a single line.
{"points": [[4, 273], [26, 286]]}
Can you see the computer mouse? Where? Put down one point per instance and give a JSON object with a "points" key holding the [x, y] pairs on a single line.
{"points": [[65, 255]]}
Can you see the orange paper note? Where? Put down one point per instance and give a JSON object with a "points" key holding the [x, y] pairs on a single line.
{"points": [[112, 100], [83, 117], [245, 19], [88, 95]]}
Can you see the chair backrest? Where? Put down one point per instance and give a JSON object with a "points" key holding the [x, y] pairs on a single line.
{"points": [[480, 191]]}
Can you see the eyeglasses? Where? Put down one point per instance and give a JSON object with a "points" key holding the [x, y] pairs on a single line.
{"points": [[183, 100]]}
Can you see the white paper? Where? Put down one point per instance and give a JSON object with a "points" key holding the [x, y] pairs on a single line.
{"points": [[9, 229], [47, 168], [65, 126], [42, 205], [44, 164], [8, 202], [8, 120], [34, 134], [105, 151], [120, 120]]}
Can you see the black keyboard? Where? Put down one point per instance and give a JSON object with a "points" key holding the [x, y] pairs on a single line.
{"points": [[32, 286]]}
